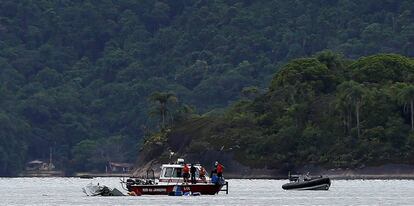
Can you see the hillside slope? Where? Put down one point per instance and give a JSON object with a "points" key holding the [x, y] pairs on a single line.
{"points": [[324, 112]]}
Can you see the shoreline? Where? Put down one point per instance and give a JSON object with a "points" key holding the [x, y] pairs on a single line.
{"points": [[246, 177], [384, 172], [84, 175], [238, 171], [336, 177], [361, 177]]}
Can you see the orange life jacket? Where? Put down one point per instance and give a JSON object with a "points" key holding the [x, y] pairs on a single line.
{"points": [[202, 172], [219, 168], [186, 169]]}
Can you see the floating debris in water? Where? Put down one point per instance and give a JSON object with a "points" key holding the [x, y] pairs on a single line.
{"points": [[96, 190]]}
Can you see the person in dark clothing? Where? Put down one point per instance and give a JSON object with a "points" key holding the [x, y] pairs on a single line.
{"points": [[193, 174], [214, 171]]}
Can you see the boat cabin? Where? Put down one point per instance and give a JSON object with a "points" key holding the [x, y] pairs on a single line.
{"points": [[174, 172]]}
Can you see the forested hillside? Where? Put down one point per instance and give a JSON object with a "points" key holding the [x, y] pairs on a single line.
{"points": [[77, 76], [325, 111]]}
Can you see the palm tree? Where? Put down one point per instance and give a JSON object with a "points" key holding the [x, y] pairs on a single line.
{"points": [[405, 95], [162, 98], [352, 93], [345, 108]]}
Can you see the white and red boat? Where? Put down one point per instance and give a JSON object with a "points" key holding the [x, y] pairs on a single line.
{"points": [[171, 182]]}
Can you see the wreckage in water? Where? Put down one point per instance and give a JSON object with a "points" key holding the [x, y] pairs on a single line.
{"points": [[100, 190], [171, 182]]}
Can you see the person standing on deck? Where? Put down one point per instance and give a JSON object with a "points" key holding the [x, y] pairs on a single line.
{"points": [[193, 174], [202, 174], [214, 171], [219, 170], [186, 173]]}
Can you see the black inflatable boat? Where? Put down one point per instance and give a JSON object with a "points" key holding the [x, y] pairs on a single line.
{"points": [[305, 182]]}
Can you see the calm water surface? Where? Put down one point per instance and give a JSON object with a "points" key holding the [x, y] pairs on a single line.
{"points": [[67, 191]]}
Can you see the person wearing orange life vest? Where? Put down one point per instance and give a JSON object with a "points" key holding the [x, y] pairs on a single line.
{"points": [[202, 174], [186, 173], [219, 170]]}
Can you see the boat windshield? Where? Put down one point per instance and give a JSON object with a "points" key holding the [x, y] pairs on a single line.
{"points": [[168, 172], [172, 172]]}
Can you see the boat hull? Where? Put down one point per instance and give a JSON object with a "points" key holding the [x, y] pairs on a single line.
{"points": [[205, 189], [314, 184]]}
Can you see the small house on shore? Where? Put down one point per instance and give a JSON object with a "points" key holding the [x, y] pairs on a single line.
{"points": [[118, 167], [39, 165]]}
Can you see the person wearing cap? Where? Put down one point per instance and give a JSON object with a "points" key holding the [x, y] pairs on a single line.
{"points": [[213, 174], [214, 171]]}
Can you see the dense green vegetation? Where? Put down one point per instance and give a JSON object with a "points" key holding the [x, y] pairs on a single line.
{"points": [[323, 110], [77, 76]]}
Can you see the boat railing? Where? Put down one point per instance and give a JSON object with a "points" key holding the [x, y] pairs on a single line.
{"points": [[225, 189], [152, 172], [302, 177]]}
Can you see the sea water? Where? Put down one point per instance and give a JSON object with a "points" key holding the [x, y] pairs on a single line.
{"points": [[68, 191]]}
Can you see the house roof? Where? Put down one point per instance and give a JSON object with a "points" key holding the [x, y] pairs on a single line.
{"points": [[120, 164], [35, 162]]}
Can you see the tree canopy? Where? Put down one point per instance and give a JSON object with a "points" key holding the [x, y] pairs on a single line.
{"points": [[76, 71], [310, 116]]}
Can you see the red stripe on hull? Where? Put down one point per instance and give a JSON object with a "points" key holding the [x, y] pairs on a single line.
{"points": [[205, 189]]}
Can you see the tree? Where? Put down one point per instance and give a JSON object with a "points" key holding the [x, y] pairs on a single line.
{"points": [[405, 95], [333, 61], [83, 153], [250, 92], [352, 93], [382, 68], [162, 99], [342, 105]]}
